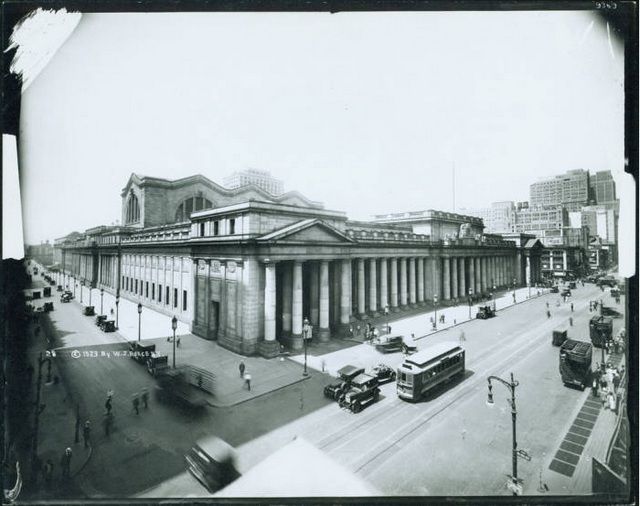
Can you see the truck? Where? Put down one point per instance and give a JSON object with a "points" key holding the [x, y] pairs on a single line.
{"points": [[172, 387], [600, 330], [575, 363], [346, 374], [485, 312], [559, 336], [362, 391]]}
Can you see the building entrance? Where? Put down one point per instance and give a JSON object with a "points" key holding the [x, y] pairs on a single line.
{"points": [[214, 319]]}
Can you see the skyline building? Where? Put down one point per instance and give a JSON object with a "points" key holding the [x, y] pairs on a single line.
{"points": [[261, 178]]}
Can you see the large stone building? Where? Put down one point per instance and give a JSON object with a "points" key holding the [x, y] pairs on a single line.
{"points": [[245, 267], [571, 190]]}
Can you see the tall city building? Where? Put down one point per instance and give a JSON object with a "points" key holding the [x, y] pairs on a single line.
{"points": [[498, 218], [571, 190], [603, 187], [260, 178], [533, 219]]}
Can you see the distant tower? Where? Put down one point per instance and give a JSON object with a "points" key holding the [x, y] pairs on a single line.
{"points": [[260, 178]]}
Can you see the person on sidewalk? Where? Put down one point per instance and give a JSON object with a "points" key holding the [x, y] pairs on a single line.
{"points": [[247, 381], [107, 405], [571, 321], [135, 402], [86, 434], [462, 337], [65, 463], [145, 398], [596, 384], [616, 380], [241, 368], [572, 307], [604, 390]]}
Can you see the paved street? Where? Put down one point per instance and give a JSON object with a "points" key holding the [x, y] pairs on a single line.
{"points": [[452, 429]]}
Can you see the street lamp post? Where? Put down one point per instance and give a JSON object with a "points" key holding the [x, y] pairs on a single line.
{"points": [[117, 303], [435, 312], [74, 286], [90, 290], [81, 290], [470, 294], [139, 318], [514, 456], [174, 326], [494, 296], [514, 290], [101, 299], [305, 332]]}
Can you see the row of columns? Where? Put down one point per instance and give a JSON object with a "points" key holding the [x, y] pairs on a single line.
{"points": [[392, 282]]}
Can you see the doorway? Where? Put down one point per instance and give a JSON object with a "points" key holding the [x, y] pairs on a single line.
{"points": [[214, 319]]}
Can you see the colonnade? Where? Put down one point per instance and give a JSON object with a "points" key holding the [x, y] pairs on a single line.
{"points": [[337, 292]]}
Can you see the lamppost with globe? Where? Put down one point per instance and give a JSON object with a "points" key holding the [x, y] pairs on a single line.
{"points": [[305, 332], [117, 303], [81, 290], [435, 312], [514, 455], [470, 301], [139, 318], [101, 299], [174, 326]]}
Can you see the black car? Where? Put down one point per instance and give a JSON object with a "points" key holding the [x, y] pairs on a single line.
{"points": [[384, 373], [346, 374], [565, 292], [555, 289]]}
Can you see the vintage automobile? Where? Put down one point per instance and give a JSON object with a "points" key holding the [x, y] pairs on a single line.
{"points": [[390, 343], [572, 285], [212, 462], [89, 311], [46, 291], [485, 312], [559, 336], [383, 373], [554, 289], [346, 374], [48, 306], [609, 311], [59, 288], [65, 297], [141, 352], [100, 319], [566, 292], [607, 281], [173, 387], [108, 326], [157, 364], [615, 292], [362, 392]]}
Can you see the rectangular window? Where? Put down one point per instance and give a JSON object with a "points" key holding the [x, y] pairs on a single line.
{"points": [[232, 226], [122, 280], [202, 229], [184, 300], [175, 297], [159, 293], [146, 289], [153, 291], [166, 298], [216, 227], [136, 287]]}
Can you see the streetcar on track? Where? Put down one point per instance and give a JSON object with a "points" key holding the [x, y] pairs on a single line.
{"points": [[428, 368]]}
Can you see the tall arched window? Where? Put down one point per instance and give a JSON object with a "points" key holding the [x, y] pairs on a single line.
{"points": [[191, 205], [133, 209]]}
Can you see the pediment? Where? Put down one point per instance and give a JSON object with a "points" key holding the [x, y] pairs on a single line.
{"points": [[307, 231]]}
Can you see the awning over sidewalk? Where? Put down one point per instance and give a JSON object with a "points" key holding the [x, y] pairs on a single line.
{"points": [[298, 469]]}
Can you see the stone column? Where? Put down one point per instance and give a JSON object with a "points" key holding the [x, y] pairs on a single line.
{"points": [[429, 289], [485, 266], [446, 278], [323, 330], [287, 298], [361, 285], [296, 306], [412, 281], [454, 278], [472, 274], [518, 267], [345, 292], [384, 299], [394, 284], [462, 277], [314, 292], [269, 302], [403, 281], [373, 286], [528, 271], [420, 261]]}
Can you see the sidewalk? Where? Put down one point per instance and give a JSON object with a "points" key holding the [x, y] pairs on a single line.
{"points": [[267, 375]]}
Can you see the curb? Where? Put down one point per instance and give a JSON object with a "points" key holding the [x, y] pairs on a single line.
{"points": [[214, 405], [84, 464]]}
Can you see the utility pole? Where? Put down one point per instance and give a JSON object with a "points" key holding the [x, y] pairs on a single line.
{"points": [[38, 410]]}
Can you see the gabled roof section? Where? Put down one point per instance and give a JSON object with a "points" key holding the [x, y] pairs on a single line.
{"points": [[533, 243], [290, 197], [305, 231]]}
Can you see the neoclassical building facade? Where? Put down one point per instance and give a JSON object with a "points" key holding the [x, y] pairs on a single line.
{"points": [[245, 267]]}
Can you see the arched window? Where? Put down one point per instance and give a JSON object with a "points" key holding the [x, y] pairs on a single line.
{"points": [[191, 205], [133, 209]]}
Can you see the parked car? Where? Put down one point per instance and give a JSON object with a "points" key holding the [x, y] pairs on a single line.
{"points": [[572, 285], [555, 289], [390, 343], [346, 374], [485, 312], [109, 326], [48, 306], [362, 392], [65, 298], [89, 311], [100, 319], [384, 374]]}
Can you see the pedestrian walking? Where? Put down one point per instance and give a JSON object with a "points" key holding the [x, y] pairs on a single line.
{"points": [[572, 307], [611, 401], [65, 463], [548, 314], [595, 384], [241, 368], [135, 402], [107, 405], [571, 321], [107, 422], [178, 343], [145, 398], [247, 380], [111, 311], [603, 395], [86, 434], [48, 473], [462, 337], [616, 380], [547, 303]]}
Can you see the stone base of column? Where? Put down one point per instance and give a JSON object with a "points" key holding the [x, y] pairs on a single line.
{"points": [[325, 334], [294, 342], [363, 316], [395, 309], [374, 314], [342, 330], [269, 349]]}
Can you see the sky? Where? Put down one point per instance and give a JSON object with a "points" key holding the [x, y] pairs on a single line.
{"points": [[366, 112]]}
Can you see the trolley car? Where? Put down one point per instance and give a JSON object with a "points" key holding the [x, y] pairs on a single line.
{"points": [[428, 368]]}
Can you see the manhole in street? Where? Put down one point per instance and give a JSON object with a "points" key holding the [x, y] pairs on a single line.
{"points": [[132, 437]]}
